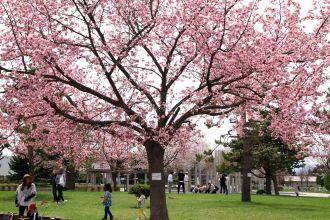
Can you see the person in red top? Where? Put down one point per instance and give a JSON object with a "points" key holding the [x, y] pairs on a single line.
{"points": [[33, 212]]}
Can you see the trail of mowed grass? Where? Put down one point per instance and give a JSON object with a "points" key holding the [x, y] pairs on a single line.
{"points": [[87, 206]]}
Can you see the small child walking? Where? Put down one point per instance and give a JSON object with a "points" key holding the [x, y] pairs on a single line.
{"points": [[140, 205], [107, 201]]}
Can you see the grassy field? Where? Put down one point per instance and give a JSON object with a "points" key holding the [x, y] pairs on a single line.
{"points": [[87, 206]]}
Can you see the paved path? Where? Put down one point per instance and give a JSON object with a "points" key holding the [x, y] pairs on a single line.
{"points": [[307, 194]]}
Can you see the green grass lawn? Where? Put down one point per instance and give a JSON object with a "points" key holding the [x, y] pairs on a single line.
{"points": [[87, 205]]}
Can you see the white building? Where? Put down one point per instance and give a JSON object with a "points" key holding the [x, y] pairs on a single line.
{"points": [[302, 181], [4, 166]]}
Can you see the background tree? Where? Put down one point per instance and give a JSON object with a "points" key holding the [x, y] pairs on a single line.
{"points": [[209, 163], [321, 171], [19, 166], [227, 167], [327, 181], [321, 139], [320, 180], [42, 170], [2, 148], [198, 170], [269, 155]]}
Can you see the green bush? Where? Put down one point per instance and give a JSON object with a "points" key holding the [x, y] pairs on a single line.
{"points": [[320, 180], [135, 190], [81, 177], [116, 189], [326, 182], [260, 192]]}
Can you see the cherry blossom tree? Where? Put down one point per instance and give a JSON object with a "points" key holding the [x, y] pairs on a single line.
{"points": [[147, 68]]}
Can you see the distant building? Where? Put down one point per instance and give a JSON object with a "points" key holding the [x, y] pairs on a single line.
{"points": [[302, 181], [4, 166], [218, 157]]}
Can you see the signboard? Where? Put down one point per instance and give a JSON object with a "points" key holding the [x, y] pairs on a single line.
{"points": [[156, 176]]}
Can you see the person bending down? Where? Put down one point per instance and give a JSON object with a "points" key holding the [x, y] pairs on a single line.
{"points": [[140, 205]]}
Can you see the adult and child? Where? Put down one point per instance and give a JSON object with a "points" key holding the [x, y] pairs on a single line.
{"points": [[26, 192], [212, 188], [209, 188], [183, 180], [107, 203]]}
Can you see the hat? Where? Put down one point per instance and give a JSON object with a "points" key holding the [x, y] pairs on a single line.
{"points": [[27, 176]]}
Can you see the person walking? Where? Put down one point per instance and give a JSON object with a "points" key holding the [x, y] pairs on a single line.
{"points": [[296, 190], [223, 184], [186, 180], [107, 201], [60, 184], [24, 194], [181, 181], [170, 182]]}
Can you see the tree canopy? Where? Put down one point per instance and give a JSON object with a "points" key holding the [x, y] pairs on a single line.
{"points": [[142, 70]]}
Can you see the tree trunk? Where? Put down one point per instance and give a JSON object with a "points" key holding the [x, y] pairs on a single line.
{"points": [[31, 169], [246, 169], [114, 180], [274, 177], [71, 177], [31, 161], [200, 173], [268, 177], [196, 175], [268, 184], [155, 153]]}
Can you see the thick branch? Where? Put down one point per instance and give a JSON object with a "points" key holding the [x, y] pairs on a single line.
{"points": [[61, 112]]}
